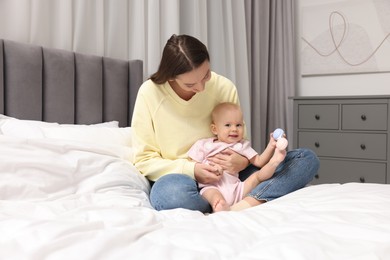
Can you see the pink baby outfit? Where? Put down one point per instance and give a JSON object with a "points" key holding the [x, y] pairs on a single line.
{"points": [[230, 185]]}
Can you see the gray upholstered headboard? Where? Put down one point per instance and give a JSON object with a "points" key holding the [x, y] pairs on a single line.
{"points": [[54, 85]]}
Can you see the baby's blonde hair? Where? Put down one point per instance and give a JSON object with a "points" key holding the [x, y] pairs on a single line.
{"points": [[222, 107]]}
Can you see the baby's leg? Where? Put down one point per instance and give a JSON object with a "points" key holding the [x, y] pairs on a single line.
{"points": [[264, 173], [256, 178], [216, 200], [241, 205]]}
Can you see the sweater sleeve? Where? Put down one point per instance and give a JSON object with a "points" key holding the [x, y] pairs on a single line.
{"points": [[148, 159]]}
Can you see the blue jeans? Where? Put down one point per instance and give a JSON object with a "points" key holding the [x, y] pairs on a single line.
{"points": [[181, 191]]}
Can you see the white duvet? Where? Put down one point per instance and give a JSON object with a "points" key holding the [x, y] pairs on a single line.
{"points": [[73, 200]]}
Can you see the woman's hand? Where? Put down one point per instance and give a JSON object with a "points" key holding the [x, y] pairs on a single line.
{"points": [[206, 174], [230, 161]]}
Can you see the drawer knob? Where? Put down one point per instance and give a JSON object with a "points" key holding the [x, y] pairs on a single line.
{"points": [[317, 117], [317, 144], [362, 180], [363, 117], [363, 146]]}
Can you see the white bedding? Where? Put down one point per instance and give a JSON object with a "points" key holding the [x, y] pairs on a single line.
{"points": [[77, 200]]}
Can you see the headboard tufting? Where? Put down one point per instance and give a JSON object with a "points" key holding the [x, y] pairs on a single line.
{"points": [[53, 85]]}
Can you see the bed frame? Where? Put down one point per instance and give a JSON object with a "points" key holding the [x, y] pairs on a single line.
{"points": [[53, 85]]}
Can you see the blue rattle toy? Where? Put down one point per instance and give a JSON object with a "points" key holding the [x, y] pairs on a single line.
{"points": [[281, 142]]}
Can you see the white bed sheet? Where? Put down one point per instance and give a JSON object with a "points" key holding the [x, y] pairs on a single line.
{"points": [[67, 200]]}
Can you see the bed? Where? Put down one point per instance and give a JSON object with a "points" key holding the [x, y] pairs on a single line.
{"points": [[68, 189]]}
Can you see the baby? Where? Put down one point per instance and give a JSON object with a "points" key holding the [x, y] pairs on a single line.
{"points": [[228, 127]]}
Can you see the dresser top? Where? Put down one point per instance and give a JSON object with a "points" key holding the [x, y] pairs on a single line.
{"points": [[340, 97]]}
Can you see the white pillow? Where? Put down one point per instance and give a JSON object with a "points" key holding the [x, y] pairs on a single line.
{"points": [[21, 128], [98, 135], [9, 120], [32, 128], [105, 124], [108, 133]]}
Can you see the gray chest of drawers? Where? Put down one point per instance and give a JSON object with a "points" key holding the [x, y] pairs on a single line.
{"points": [[350, 135]]}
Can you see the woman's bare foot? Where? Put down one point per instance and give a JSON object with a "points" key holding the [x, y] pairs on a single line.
{"points": [[220, 205]]}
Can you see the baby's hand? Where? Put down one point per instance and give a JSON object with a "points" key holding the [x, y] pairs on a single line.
{"points": [[217, 169], [280, 137]]}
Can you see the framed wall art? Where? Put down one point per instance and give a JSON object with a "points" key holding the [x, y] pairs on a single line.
{"points": [[344, 36]]}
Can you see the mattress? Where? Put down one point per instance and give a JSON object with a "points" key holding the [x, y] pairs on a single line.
{"points": [[68, 193]]}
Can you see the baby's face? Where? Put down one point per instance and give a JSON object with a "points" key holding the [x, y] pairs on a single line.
{"points": [[229, 126]]}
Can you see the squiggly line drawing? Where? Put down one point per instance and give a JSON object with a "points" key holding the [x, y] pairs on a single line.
{"points": [[337, 45]]}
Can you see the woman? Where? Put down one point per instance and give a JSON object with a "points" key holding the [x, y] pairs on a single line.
{"points": [[172, 112]]}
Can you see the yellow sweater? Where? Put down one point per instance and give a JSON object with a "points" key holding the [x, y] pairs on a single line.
{"points": [[166, 126]]}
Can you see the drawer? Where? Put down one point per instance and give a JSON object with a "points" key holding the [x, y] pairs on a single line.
{"points": [[318, 116], [342, 171], [364, 117], [345, 145]]}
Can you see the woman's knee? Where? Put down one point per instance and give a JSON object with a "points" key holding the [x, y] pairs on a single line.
{"points": [[309, 162], [174, 191], [312, 159], [173, 183]]}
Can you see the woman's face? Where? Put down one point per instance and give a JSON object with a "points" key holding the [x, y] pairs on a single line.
{"points": [[192, 82]]}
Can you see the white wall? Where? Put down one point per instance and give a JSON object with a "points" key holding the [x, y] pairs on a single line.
{"points": [[355, 84], [347, 83]]}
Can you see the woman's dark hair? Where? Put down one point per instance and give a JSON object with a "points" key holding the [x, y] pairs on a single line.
{"points": [[181, 54]]}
